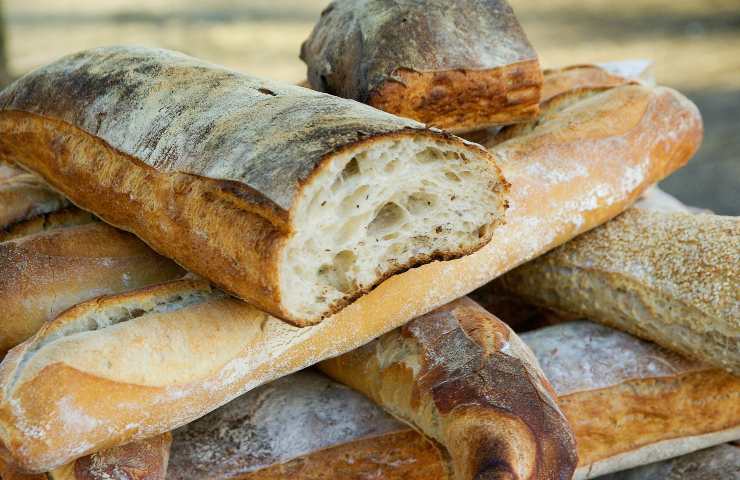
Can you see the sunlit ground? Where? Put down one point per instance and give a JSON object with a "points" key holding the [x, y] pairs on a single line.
{"points": [[695, 44]]}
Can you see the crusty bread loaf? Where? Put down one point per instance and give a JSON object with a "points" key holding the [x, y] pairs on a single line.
{"points": [[24, 196], [169, 354], [296, 201], [673, 278], [465, 379], [8, 170], [143, 460], [717, 463], [43, 274], [332, 431], [614, 387], [559, 80], [631, 402], [461, 65]]}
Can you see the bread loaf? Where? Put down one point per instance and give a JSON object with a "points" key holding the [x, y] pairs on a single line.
{"points": [[296, 201], [144, 460], [44, 273], [330, 430], [462, 377], [24, 196], [717, 463], [8, 170], [167, 355], [461, 65], [559, 80], [672, 278], [614, 387]]}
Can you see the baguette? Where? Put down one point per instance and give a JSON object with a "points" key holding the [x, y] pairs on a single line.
{"points": [[465, 379], [672, 278], [293, 200], [208, 349], [24, 196], [44, 273], [640, 388], [630, 402], [717, 463], [460, 66]]}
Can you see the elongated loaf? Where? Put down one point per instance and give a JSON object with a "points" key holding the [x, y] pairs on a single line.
{"points": [[631, 402], [296, 201], [465, 379], [673, 278], [167, 355], [143, 460], [717, 463], [44, 273], [24, 196], [459, 65], [272, 431]]}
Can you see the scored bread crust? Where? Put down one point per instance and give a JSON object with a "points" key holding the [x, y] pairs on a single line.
{"points": [[413, 59], [209, 166], [567, 182], [45, 273], [669, 277], [464, 378], [631, 402]]}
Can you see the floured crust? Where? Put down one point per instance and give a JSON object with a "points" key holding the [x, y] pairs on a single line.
{"points": [[668, 277], [463, 378], [565, 184], [415, 59], [43, 274], [154, 142], [625, 397]]}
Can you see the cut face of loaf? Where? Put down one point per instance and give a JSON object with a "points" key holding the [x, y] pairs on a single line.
{"points": [[461, 65], [296, 201]]}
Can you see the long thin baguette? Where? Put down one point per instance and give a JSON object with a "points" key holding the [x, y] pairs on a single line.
{"points": [[462, 377], [569, 174], [673, 278], [45, 273], [613, 386], [717, 463], [460, 65], [295, 201]]}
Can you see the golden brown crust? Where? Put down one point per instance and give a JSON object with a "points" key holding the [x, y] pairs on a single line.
{"points": [[415, 59], [66, 217], [566, 179], [153, 142], [560, 80], [402, 455], [669, 277], [462, 377], [143, 460], [43, 274], [25, 196], [463, 100]]}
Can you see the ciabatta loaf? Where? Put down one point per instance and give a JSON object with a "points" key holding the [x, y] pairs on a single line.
{"points": [[459, 65], [614, 387], [296, 201], [673, 278], [42, 274], [465, 379], [169, 354]]}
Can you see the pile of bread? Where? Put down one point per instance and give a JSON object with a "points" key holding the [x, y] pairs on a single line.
{"points": [[340, 227]]}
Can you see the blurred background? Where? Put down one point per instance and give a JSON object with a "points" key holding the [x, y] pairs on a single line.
{"points": [[695, 46]]}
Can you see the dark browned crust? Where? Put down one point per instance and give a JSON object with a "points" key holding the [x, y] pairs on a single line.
{"points": [[463, 66], [229, 228], [495, 411], [463, 100]]}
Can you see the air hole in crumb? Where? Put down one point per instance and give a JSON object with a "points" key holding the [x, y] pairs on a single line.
{"points": [[337, 272], [388, 218], [351, 169], [420, 202], [390, 167], [452, 176], [429, 155]]}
